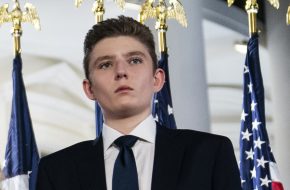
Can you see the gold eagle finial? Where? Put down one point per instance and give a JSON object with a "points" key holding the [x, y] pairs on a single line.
{"points": [[176, 11], [98, 9], [147, 11], [120, 3], [230, 2], [16, 16], [161, 12], [252, 9], [274, 3], [78, 3]]}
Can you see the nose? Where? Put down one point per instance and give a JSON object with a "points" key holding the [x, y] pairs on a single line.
{"points": [[121, 70]]}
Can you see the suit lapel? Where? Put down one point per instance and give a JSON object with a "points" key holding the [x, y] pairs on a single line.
{"points": [[167, 160], [92, 168]]}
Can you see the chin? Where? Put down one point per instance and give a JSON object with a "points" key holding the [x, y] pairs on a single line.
{"points": [[129, 110]]}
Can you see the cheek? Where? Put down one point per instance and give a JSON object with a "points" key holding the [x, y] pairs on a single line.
{"points": [[148, 85], [97, 85]]}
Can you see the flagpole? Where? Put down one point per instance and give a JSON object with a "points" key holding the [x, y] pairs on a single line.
{"points": [[252, 8], [288, 16], [161, 13], [162, 29], [17, 16]]}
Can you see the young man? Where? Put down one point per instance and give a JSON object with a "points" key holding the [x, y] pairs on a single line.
{"points": [[122, 75]]}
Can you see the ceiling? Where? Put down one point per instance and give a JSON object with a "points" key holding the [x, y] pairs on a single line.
{"points": [[52, 71]]}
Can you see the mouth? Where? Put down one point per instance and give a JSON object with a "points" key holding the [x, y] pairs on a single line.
{"points": [[123, 89]]}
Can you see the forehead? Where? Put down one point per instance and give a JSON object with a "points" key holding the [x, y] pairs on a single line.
{"points": [[119, 44]]}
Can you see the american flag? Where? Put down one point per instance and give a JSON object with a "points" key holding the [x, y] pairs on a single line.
{"points": [[21, 156], [99, 119], [162, 105], [258, 168]]}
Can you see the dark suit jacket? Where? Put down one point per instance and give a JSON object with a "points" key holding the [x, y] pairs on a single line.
{"points": [[184, 160]]}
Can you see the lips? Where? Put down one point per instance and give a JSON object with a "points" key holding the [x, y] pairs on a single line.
{"points": [[123, 89]]}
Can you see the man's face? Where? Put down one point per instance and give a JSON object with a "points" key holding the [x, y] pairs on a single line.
{"points": [[122, 78]]}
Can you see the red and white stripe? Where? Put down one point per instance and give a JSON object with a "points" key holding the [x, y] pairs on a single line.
{"points": [[275, 177]]}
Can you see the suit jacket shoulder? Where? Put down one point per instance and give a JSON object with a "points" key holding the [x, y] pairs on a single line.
{"points": [[194, 159], [72, 152], [80, 166], [188, 134]]}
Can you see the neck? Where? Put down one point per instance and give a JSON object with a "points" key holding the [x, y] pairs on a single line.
{"points": [[125, 124]]}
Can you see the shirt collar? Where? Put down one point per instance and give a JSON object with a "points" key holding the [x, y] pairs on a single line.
{"points": [[146, 130]]}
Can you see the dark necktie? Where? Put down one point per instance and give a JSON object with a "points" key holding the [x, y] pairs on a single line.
{"points": [[125, 175]]}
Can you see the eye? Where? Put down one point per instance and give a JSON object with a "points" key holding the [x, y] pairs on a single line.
{"points": [[105, 65], [135, 60]]}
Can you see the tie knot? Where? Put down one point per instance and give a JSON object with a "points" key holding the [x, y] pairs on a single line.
{"points": [[126, 141]]}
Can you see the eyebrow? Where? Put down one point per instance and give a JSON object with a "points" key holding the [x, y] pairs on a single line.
{"points": [[104, 58], [135, 53], [110, 57]]}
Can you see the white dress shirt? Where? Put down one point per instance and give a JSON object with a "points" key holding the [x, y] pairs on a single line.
{"points": [[143, 151]]}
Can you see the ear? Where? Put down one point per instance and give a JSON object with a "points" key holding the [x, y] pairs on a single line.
{"points": [[88, 89], [159, 79]]}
